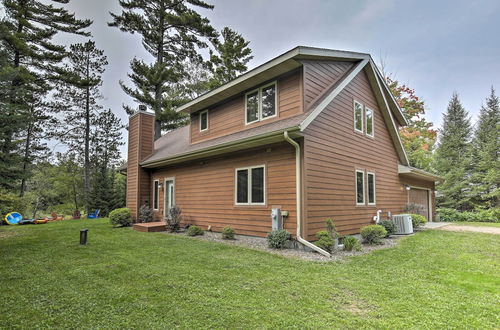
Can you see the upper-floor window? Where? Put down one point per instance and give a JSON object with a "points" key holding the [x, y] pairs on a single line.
{"points": [[260, 104], [203, 120], [369, 122], [358, 117], [250, 185]]}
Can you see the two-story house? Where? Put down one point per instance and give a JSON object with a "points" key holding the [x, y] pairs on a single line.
{"points": [[314, 132]]}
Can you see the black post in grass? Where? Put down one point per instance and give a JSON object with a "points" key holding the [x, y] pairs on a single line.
{"points": [[83, 236]]}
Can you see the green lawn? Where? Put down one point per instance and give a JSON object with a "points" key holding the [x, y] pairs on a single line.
{"points": [[477, 224], [127, 279]]}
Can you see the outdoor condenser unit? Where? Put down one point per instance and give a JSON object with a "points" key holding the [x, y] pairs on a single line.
{"points": [[277, 219], [403, 223]]}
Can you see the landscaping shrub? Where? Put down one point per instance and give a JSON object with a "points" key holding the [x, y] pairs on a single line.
{"points": [[195, 231], [389, 226], [145, 214], [121, 217], [373, 234], [10, 202], [330, 228], [351, 243], [418, 220], [278, 238], [227, 233], [325, 240], [448, 215], [173, 219], [413, 208], [491, 215]]}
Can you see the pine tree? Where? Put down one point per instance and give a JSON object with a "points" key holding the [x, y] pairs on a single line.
{"points": [[106, 142], [485, 178], [77, 99], [172, 32], [452, 159], [230, 57], [30, 62]]}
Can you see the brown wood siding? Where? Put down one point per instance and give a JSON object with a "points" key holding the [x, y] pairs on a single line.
{"points": [[333, 151], [140, 145], [229, 117], [206, 190], [319, 76]]}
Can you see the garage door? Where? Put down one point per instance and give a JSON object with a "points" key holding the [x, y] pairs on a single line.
{"points": [[420, 197]]}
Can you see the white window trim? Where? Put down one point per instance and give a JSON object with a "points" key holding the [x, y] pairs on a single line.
{"points": [[356, 187], [362, 116], [374, 188], [275, 100], [165, 194], [259, 103], [249, 184], [157, 195], [201, 113], [258, 107], [373, 122]]}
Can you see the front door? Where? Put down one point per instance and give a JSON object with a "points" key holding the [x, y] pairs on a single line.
{"points": [[169, 195]]}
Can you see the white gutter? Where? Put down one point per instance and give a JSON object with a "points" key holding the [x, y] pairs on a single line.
{"points": [[298, 193]]}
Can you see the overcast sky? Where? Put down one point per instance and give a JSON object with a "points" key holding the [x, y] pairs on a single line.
{"points": [[436, 47]]}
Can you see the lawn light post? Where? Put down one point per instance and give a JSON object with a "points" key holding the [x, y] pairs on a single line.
{"points": [[83, 236]]}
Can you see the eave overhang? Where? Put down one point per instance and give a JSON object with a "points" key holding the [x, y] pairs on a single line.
{"points": [[416, 173]]}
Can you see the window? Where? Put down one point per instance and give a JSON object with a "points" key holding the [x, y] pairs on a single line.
{"points": [[156, 194], [371, 188], [360, 187], [203, 120], [260, 104], [250, 185], [369, 122], [358, 116]]}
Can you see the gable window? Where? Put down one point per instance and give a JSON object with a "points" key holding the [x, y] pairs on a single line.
{"points": [[369, 122], [156, 194], [371, 188], [203, 120], [250, 185], [358, 117], [360, 187], [260, 104]]}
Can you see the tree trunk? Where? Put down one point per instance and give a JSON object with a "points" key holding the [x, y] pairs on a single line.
{"points": [[26, 158], [86, 165]]}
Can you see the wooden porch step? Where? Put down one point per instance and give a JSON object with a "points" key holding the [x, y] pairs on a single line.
{"points": [[150, 226]]}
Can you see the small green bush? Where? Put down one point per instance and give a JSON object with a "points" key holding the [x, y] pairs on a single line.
{"points": [[373, 234], [389, 226], [227, 233], [121, 217], [418, 220], [278, 238], [491, 215], [145, 214], [330, 228], [195, 231], [451, 215], [447, 214], [351, 243], [325, 240]]}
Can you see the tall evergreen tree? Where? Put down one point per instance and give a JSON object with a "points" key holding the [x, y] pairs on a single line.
{"points": [[30, 63], [230, 57], [485, 178], [77, 98], [172, 32], [106, 142], [452, 159]]}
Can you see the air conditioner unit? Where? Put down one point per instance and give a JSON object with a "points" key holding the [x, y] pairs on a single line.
{"points": [[404, 225]]}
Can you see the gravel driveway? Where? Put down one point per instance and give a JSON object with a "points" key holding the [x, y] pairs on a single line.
{"points": [[460, 228]]}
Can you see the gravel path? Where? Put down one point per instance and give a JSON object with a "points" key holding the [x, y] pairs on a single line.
{"points": [[258, 243], [460, 228]]}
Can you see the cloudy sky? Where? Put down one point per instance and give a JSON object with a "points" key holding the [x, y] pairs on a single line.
{"points": [[436, 47]]}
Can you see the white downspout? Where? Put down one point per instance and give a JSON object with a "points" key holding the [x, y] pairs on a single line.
{"points": [[298, 193]]}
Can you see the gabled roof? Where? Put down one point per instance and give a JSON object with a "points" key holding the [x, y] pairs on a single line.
{"points": [[175, 146]]}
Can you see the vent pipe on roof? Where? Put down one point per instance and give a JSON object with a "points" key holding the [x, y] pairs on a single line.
{"points": [[298, 194]]}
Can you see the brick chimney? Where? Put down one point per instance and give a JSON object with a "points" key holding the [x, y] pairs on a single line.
{"points": [[140, 145]]}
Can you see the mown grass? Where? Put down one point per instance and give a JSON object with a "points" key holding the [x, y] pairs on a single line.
{"points": [[128, 279]]}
